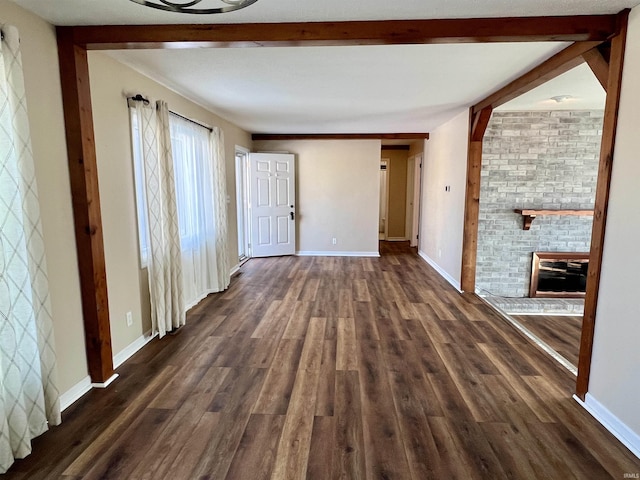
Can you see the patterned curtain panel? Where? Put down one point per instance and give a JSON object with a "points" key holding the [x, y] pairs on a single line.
{"points": [[28, 394], [220, 192], [164, 263]]}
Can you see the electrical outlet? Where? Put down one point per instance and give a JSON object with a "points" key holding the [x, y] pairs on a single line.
{"points": [[334, 241], [439, 252], [129, 319]]}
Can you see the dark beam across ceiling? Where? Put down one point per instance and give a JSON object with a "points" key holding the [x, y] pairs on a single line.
{"points": [[384, 32], [339, 136], [396, 147]]}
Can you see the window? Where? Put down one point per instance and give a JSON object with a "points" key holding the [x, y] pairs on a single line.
{"points": [[141, 207], [195, 200], [191, 154], [190, 148]]}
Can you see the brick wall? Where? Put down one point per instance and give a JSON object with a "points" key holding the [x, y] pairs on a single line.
{"points": [[536, 160]]}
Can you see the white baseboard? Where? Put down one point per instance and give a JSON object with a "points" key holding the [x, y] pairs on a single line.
{"points": [[396, 239], [132, 348], [438, 268], [530, 335], [109, 381], [337, 254], [236, 269], [627, 437], [555, 314], [69, 397]]}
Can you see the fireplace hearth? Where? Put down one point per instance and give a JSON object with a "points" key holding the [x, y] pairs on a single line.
{"points": [[559, 275]]}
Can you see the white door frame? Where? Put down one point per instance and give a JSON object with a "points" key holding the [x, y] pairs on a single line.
{"points": [[243, 203], [409, 201]]}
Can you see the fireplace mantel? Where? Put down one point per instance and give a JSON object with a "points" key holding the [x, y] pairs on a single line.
{"points": [[528, 216]]}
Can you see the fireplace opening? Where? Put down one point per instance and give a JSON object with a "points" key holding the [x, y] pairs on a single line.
{"points": [[559, 275]]}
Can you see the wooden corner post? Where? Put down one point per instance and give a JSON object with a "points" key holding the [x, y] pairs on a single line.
{"points": [[609, 127], [478, 123], [83, 176]]}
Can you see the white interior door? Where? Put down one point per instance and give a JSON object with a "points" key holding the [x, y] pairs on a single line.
{"points": [[273, 225]]}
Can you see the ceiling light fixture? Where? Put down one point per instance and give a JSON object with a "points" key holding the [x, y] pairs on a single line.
{"points": [[186, 6], [561, 98]]}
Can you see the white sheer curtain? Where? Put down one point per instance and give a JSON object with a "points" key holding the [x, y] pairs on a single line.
{"points": [[28, 393], [164, 262], [201, 208]]}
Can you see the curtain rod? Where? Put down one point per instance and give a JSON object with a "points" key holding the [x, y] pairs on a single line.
{"points": [[190, 120], [139, 98]]}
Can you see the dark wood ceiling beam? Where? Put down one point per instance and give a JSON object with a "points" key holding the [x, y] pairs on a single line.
{"points": [[598, 65], [385, 32], [396, 147], [480, 124], [605, 51], [560, 63], [340, 136]]}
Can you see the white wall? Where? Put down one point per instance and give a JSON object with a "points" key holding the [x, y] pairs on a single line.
{"points": [[337, 193], [127, 285], [442, 212], [615, 366], [44, 101]]}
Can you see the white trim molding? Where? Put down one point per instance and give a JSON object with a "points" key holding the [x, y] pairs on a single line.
{"points": [[397, 239], [109, 381], [622, 432], [337, 254], [132, 348], [236, 269], [74, 394], [455, 283], [531, 336]]}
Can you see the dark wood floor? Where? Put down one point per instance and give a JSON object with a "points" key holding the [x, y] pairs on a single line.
{"points": [[562, 333], [327, 368]]}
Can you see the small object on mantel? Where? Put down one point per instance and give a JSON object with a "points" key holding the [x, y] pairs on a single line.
{"points": [[528, 216]]}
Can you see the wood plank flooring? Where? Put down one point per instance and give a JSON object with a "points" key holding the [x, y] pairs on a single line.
{"points": [[334, 368], [560, 332]]}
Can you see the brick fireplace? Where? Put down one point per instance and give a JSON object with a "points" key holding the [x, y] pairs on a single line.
{"points": [[534, 160]]}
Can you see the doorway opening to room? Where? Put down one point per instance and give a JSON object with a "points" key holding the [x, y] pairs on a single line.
{"points": [[400, 191], [384, 199], [539, 175]]}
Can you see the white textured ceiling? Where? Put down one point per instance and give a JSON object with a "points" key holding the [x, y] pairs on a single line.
{"points": [[117, 12], [583, 87], [367, 89], [360, 89]]}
